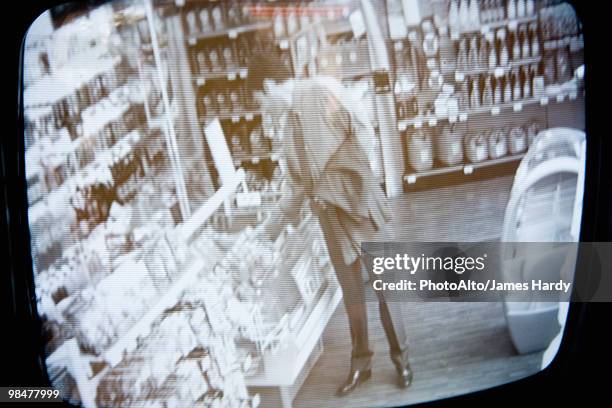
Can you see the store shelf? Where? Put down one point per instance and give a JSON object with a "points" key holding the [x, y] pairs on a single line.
{"points": [[499, 70], [467, 168], [515, 106], [231, 32], [230, 74], [284, 41], [235, 116], [484, 27], [284, 368], [128, 342]]}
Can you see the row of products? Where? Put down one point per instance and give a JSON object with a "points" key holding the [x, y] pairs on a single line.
{"points": [[230, 97], [468, 15], [257, 182], [346, 55], [297, 16], [450, 144], [247, 139], [216, 16], [67, 110], [497, 49], [487, 90]]}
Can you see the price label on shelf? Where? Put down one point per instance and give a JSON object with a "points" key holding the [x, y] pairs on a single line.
{"points": [[200, 81], [517, 107], [495, 110], [231, 76], [512, 25], [235, 118], [243, 72], [560, 97], [485, 29], [411, 178], [432, 122], [179, 3], [469, 169], [544, 100], [232, 34], [499, 72], [418, 123], [401, 126], [463, 117], [284, 44], [255, 160], [249, 116], [459, 76], [191, 40], [573, 95], [454, 35], [452, 119]]}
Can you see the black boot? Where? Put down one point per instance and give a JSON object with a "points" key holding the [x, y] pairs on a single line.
{"points": [[355, 378]]}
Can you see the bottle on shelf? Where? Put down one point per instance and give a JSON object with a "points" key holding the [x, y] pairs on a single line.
{"points": [[453, 15], [517, 140], [526, 84], [492, 54], [516, 45], [449, 144], [201, 62], [474, 14], [473, 61], [483, 54], [464, 15], [446, 52], [474, 94], [535, 42], [511, 9], [516, 86], [498, 143], [487, 92], [217, 18], [497, 92], [279, 25], [507, 89], [476, 149], [205, 23], [530, 8], [502, 46], [525, 52], [520, 9], [191, 22]]}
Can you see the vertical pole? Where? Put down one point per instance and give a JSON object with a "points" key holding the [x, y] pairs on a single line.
{"points": [[181, 191], [391, 146]]}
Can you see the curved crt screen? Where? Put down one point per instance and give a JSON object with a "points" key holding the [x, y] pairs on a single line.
{"points": [[305, 203]]}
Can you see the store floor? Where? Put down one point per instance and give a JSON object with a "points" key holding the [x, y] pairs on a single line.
{"points": [[455, 347]]}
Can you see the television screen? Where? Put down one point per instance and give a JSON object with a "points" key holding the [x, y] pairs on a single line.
{"points": [[305, 203]]}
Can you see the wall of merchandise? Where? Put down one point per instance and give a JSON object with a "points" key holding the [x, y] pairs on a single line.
{"points": [[476, 81]]}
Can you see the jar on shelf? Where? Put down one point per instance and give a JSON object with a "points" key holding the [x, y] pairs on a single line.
{"points": [[476, 146], [420, 150], [449, 144]]}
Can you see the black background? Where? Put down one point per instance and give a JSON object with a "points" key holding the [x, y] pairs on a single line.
{"points": [[581, 369]]}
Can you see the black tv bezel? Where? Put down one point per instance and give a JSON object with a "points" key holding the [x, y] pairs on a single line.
{"points": [[583, 347]]}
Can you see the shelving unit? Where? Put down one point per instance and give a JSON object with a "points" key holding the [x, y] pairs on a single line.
{"points": [[543, 104]]}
